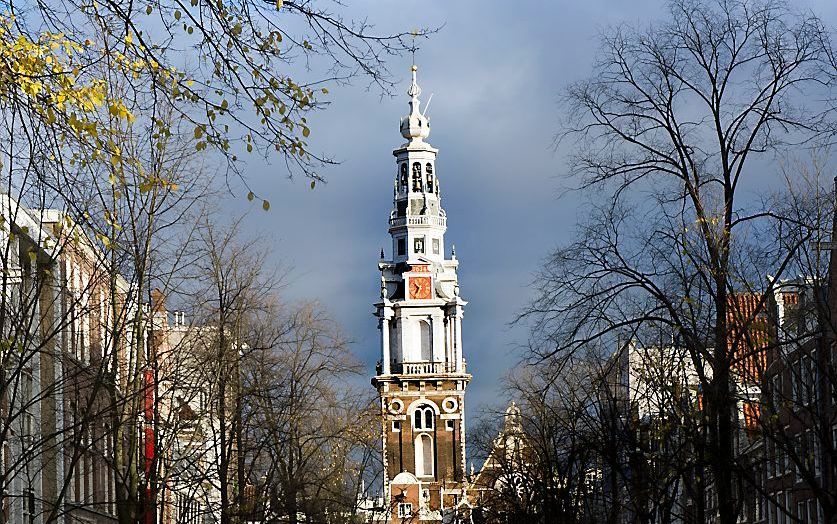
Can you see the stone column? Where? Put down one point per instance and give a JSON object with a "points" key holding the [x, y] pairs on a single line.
{"points": [[458, 328], [448, 345], [385, 364]]}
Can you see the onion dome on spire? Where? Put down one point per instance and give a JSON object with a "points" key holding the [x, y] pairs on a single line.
{"points": [[415, 126]]}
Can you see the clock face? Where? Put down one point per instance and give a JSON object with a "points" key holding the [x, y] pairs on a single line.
{"points": [[420, 288]]}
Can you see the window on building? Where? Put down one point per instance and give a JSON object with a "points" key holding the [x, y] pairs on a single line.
{"points": [[402, 247], [418, 245], [776, 391], [802, 511], [789, 506], [424, 455], [812, 380], [27, 419], [429, 170], [780, 461], [29, 506], [814, 451], [396, 426], [435, 246], [87, 461], [449, 425], [426, 334], [417, 185], [5, 460], [812, 511], [423, 418], [778, 514], [189, 511], [405, 510], [110, 479], [75, 485], [799, 450], [403, 179], [758, 510], [796, 382]]}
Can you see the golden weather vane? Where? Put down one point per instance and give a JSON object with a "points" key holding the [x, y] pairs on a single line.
{"points": [[414, 33]]}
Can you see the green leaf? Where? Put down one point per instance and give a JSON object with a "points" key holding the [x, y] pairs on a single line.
{"points": [[250, 196], [265, 205], [177, 14], [198, 132], [305, 131], [148, 10], [313, 183]]}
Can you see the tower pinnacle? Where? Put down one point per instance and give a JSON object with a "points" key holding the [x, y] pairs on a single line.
{"points": [[414, 91], [415, 126]]}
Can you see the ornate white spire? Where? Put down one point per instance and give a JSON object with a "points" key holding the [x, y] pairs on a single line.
{"points": [[415, 126], [413, 92]]}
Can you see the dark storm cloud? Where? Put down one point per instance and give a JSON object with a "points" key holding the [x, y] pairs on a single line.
{"points": [[496, 70]]}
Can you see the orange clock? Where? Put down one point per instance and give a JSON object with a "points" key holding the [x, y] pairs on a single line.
{"points": [[420, 288]]}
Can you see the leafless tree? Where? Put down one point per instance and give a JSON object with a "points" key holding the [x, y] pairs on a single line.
{"points": [[669, 127], [311, 433]]}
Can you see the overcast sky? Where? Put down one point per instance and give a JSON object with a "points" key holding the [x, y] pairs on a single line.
{"points": [[496, 70]]}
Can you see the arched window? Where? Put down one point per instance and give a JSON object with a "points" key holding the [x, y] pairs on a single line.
{"points": [[416, 176], [423, 418], [426, 332], [424, 455], [403, 179], [428, 168]]}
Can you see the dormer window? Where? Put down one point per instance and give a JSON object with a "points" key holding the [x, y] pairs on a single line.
{"points": [[417, 177], [428, 168]]}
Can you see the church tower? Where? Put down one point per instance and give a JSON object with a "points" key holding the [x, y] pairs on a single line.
{"points": [[421, 378]]}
